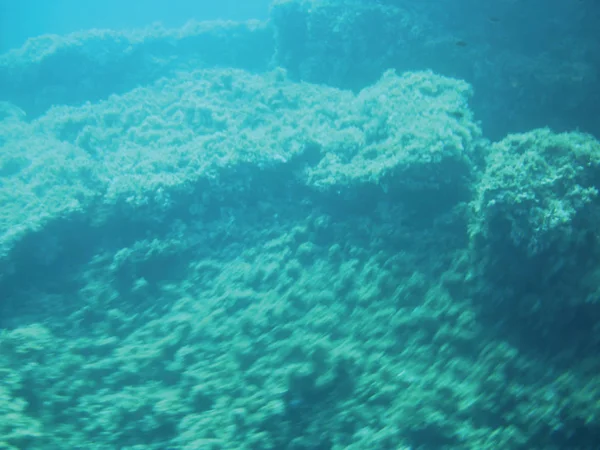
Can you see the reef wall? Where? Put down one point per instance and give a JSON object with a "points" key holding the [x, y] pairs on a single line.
{"points": [[528, 69], [230, 257]]}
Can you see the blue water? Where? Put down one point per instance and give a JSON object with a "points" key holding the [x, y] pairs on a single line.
{"points": [[22, 20]]}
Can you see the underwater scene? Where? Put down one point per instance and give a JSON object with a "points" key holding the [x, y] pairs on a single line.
{"points": [[342, 224]]}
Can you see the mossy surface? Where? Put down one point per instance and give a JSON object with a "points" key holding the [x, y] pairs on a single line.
{"points": [[222, 259]]}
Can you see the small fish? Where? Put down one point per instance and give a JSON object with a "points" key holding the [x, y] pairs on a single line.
{"points": [[460, 43], [295, 403]]}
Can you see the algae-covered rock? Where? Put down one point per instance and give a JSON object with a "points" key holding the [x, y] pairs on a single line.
{"points": [[17, 428], [534, 236], [191, 280], [407, 133], [93, 64], [207, 143], [539, 193], [536, 211]]}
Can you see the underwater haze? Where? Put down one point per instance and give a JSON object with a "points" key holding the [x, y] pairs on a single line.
{"points": [[299, 225], [20, 20]]}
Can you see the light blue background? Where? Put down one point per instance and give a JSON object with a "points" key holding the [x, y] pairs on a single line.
{"points": [[21, 19]]}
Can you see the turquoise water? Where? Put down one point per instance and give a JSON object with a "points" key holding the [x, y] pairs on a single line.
{"points": [[299, 225], [22, 20]]}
